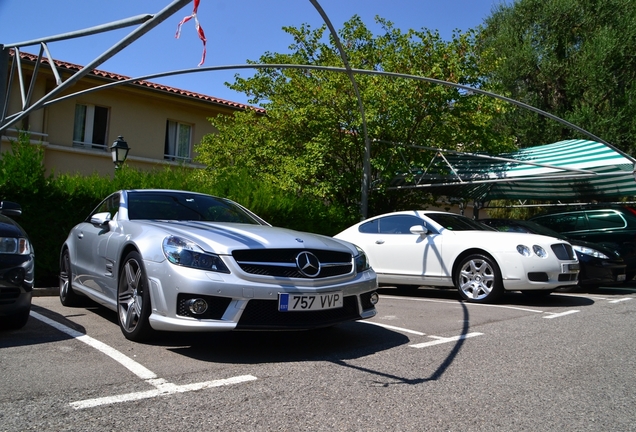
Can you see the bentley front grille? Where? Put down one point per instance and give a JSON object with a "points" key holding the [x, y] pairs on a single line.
{"points": [[563, 251]]}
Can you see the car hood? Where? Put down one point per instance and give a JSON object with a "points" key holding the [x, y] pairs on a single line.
{"points": [[223, 238], [10, 228]]}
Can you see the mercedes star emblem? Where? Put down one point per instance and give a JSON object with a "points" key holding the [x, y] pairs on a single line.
{"points": [[308, 264]]}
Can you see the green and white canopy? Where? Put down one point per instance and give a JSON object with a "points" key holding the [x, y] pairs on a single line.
{"points": [[567, 170]]}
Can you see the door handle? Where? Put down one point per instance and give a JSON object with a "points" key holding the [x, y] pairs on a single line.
{"points": [[80, 235], [379, 242]]}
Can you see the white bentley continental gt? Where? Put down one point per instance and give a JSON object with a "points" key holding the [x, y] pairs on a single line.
{"points": [[182, 261], [439, 249]]}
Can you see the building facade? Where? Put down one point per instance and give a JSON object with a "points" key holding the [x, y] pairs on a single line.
{"points": [[161, 124]]}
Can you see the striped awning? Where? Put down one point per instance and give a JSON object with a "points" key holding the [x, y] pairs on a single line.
{"points": [[567, 170]]}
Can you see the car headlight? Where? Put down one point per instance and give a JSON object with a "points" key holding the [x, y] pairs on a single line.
{"points": [[12, 245], [523, 250], [539, 251], [526, 251], [186, 253], [361, 260], [589, 251]]}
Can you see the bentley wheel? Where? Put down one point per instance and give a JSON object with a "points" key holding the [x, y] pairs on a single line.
{"points": [[68, 297], [478, 279], [133, 299]]}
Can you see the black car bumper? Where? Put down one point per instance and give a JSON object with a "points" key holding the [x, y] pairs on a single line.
{"points": [[16, 284], [595, 271]]}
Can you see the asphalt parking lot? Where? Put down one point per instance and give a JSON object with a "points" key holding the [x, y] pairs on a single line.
{"points": [[426, 362]]}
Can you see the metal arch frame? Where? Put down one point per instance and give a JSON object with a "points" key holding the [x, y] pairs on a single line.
{"points": [[354, 71], [150, 21]]}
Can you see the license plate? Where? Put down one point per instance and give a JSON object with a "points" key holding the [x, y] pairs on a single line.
{"points": [[569, 268], [309, 302], [620, 277]]}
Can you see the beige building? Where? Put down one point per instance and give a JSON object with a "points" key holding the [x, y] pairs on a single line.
{"points": [[161, 124]]}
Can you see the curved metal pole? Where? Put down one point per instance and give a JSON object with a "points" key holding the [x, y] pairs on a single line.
{"points": [[139, 19], [366, 162], [336, 69]]}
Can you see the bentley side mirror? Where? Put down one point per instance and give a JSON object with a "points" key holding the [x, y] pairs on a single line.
{"points": [[419, 229]]}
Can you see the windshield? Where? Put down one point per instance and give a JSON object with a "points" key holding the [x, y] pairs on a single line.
{"points": [[168, 205], [455, 222]]}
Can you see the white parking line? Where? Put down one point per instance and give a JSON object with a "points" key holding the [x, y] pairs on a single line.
{"points": [[621, 300], [162, 387], [464, 303], [400, 329], [127, 362], [557, 315], [441, 340]]}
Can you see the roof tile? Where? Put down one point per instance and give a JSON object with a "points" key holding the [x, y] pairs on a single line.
{"points": [[156, 86]]}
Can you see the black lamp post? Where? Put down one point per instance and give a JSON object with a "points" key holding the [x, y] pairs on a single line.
{"points": [[119, 151]]}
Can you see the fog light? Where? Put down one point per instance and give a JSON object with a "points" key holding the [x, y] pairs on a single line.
{"points": [[197, 306], [374, 298]]}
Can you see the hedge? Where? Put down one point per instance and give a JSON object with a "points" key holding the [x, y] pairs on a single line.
{"points": [[52, 205]]}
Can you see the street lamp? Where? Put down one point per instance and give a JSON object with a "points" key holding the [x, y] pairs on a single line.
{"points": [[119, 151]]}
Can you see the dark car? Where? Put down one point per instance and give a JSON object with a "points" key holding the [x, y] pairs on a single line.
{"points": [[16, 269], [613, 226], [600, 265]]}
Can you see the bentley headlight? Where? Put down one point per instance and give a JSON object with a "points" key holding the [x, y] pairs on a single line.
{"points": [[362, 262], [589, 251], [539, 251], [523, 250], [186, 253]]}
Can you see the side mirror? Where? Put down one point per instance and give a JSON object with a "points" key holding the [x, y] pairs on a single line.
{"points": [[10, 208], [100, 219], [419, 229]]}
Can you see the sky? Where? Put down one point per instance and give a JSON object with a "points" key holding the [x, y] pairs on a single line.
{"points": [[236, 31]]}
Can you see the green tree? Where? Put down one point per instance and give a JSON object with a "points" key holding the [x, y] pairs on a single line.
{"points": [[572, 58], [311, 141]]}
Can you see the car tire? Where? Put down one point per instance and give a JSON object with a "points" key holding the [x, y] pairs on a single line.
{"points": [[133, 299], [478, 279], [68, 297]]}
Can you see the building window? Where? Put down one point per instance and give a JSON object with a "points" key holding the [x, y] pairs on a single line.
{"points": [[91, 125], [178, 140]]}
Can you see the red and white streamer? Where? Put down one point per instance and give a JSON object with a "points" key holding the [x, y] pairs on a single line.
{"points": [[198, 28]]}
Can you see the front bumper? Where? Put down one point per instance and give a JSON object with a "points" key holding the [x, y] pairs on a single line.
{"points": [[595, 272], [16, 284], [242, 301], [542, 274]]}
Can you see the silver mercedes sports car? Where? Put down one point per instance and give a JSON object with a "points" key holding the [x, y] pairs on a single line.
{"points": [[182, 261]]}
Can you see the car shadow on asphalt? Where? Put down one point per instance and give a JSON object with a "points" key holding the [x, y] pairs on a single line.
{"points": [[36, 332], [343, 341], [336, 345]]}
